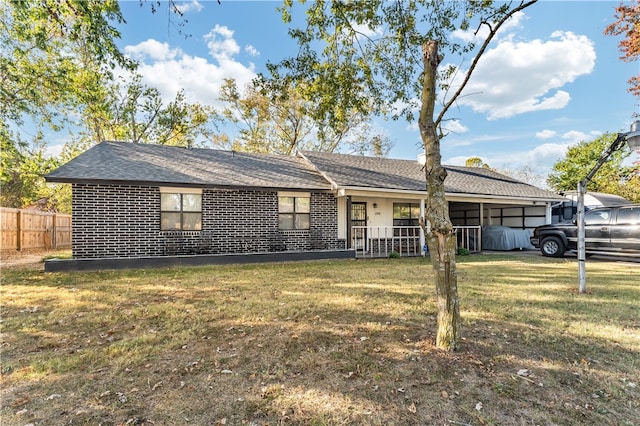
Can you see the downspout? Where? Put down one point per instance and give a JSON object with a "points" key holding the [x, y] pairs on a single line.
{"points": [[423, 241], [348, 242], [547, 213], [481, 226]]}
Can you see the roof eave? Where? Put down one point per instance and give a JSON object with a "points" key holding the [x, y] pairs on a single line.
{"points": [[186, 184], [351, 190]]}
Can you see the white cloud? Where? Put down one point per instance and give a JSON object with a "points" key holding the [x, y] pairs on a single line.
{"points": [[546, 153], [413, 125], [573, 136], [54, 149], [152, 50], [251, 51], [456, 161], [363, 30], [399, 107], [541, 157], [170, 70], [193, 5], [221, 44], [546, 134], [517, 77], [454, 126]]}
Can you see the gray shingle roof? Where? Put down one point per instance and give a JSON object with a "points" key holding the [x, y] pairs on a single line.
{"points": [[374, 172], [128, 162], [167, 165]]}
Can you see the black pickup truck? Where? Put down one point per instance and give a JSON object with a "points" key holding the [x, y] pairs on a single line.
{"points": [[608, 230]]}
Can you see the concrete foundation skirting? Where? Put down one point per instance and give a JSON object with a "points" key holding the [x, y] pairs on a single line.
{"points": [[62, 265]]}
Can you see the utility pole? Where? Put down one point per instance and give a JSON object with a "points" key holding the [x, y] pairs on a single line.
{"points": [[632, 138]]}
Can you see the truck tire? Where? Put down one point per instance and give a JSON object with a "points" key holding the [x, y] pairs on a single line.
{"points": [[552, 247]]}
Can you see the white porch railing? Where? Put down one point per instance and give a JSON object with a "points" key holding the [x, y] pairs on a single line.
{"points": [[469, 237], [381, 241]]}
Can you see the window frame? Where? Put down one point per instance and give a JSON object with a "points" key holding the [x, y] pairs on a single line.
{"points": [[631, 218], [295, 212], [596, 218], [412, 221], [183, 210]]}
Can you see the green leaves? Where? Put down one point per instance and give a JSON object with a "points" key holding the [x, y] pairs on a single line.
{"points": [[612, 177], [39, 44], [21, 171], [367, 57], [275, 118], [57, 62]]}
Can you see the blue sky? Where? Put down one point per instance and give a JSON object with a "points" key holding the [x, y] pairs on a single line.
{"points": [[560, 79]]}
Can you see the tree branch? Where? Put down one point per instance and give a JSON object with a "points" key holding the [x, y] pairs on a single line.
{"points": [[493, 31]]}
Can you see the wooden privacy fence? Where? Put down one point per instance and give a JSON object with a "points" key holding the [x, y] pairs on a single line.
{"points": [[33, 230]]}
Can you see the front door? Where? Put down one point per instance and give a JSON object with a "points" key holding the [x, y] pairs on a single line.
{"points": [[359, 223]]}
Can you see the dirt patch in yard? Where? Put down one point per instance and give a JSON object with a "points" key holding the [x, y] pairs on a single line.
{"points": [[28, 259]]}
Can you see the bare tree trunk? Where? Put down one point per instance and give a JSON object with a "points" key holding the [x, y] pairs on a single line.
{"points": [[439, 234]]}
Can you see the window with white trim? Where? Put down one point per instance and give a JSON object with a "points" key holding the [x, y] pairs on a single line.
{"points": [[294, 211], [406, 214], [180, 209]]}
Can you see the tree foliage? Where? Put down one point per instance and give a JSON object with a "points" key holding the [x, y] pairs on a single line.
{"points": [[384, 57], [627, 24], [131, 111], [476, 162], [271, 121], [22, 171], [613, 176], [526, 174], [61, 68], [38, 64]]}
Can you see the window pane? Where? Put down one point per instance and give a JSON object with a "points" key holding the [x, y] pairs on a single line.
{"points": [[400, 211], [285, 221], [170, 202], [415, 211], [302, 221], [303, 205], [169, 221], [629, 216], [191, 202], [597, 217], [567, 213], [285, 204], [192, 221]]}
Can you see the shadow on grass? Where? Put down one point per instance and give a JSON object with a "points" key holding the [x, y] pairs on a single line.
{"points": [[318, 343]]}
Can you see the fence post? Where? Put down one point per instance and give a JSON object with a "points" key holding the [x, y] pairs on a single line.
{"points": [[19, 230], [26, 229], [54, 232]]}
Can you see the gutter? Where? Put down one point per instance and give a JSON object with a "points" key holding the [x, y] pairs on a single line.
{"points": [[348, 190]]}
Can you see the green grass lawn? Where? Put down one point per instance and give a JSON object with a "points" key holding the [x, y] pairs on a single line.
{"points": [[321, 343]]}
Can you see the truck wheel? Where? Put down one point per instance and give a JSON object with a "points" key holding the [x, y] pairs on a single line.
{"points": [[552, 247]]}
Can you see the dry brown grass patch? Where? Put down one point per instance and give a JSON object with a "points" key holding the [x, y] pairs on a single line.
{"points": [[321, 343]]}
